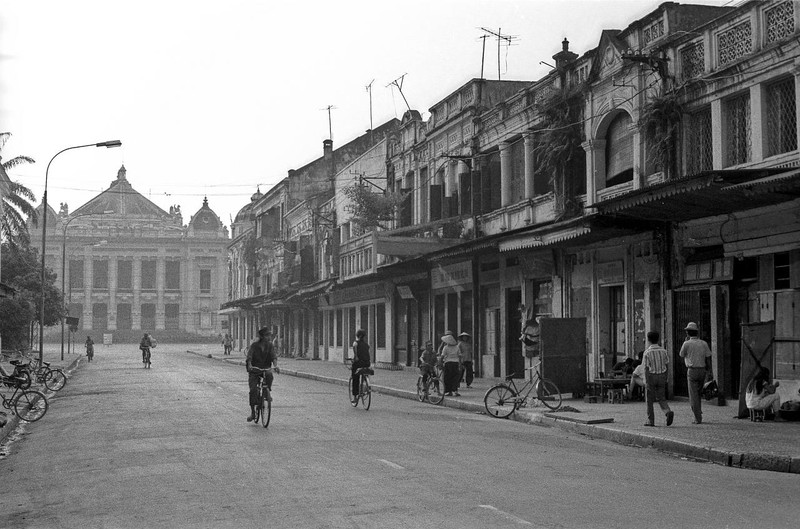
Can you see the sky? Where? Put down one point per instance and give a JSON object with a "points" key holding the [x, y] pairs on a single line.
{"points": [[221, 98]]}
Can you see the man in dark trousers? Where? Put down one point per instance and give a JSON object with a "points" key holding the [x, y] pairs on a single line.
{"points": [[361, 358], [261, 355]]}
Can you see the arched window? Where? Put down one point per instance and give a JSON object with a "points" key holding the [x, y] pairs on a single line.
{"points": [[619, 151]]}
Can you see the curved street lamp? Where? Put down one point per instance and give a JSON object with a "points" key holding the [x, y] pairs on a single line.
{"points": [[109, 144], [64, 263]]}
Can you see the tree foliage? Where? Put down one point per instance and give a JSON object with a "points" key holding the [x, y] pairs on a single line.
{"points": [[558, 144], [22, 271], [660, 121], [370, 210], [17, 200]]}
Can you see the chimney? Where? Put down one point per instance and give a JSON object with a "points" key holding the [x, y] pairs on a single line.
{"points": [[327, 155]]}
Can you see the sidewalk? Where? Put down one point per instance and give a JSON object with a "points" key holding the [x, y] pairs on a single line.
{"points": [[721, 439]]}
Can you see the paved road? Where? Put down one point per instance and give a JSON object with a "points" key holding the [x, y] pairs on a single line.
{"points": [[122, 446]]}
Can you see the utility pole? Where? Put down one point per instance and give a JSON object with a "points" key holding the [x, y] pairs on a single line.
{"points": [[507, 39], [369, 90], [399, 84]]}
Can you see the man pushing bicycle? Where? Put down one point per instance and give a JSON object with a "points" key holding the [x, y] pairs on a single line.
{"points": [[260, 355]]}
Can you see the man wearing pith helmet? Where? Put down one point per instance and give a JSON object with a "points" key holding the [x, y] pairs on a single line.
{"points": [[697, 356]]}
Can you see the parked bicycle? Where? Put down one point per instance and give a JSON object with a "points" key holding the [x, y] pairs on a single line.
{"points": [[430, 388], [31, 369], [28, 405], [504, 399], [364, 389], [53, 378], [263, 410]]}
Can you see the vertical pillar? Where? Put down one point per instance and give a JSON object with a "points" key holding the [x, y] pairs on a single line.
{"points": [[530, 165], [639, 169], [758, 123], [88, 277], [111, 316], [595, 168], [136, 284], [796, 72], [717, 145], [505, 173], [160, 270]]}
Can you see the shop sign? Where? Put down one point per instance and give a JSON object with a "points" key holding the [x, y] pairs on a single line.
{"points": [[361, 293], [611, 272], [451, 275], [537, 265], [405, 292]]}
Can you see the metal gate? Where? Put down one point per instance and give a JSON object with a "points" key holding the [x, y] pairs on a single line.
{"points": [[563, 346]]}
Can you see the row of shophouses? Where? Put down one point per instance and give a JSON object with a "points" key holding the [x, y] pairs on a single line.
{"points": [[651, 181]]}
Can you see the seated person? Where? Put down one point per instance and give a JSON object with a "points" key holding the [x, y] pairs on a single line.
{"points": [[637, 377], [624, 368], [760, 393]]}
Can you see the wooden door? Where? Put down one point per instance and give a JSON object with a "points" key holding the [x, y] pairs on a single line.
{"points": [[563, 352]]}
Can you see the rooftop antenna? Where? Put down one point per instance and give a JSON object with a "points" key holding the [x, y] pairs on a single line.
{"points": [[507, 39], [330, 125], [369, 90], [399, 84]]}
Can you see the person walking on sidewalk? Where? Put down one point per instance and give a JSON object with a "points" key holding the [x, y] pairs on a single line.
{"points": [[89, 348], [361, 358], [697, 356], [465, 345], [260, 355], [451, 358], [655, 361], [227, 344]]}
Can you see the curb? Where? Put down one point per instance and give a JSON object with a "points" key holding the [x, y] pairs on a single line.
{"points": [[13, 420], [748, 460]]}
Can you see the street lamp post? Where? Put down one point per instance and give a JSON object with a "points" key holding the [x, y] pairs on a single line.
{"points": [[64, 264], [109, 144]]}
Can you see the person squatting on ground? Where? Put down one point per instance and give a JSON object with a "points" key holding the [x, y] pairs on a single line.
{"points": [[451, 358], [655, 361], [145, 344], [465, 345], [261, 355], [760, 393], [89, 348], [697, 356], [361, 358]]}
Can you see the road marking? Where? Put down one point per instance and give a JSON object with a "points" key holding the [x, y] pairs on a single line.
{"points": [[506, 515], [393, 465]]}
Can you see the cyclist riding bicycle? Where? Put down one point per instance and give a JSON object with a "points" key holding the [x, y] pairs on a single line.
{"points": [[427, 363], [361, 359], [145, 344], [260, 355]]}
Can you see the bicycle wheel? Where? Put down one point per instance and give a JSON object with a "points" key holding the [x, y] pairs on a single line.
{"points": [[420, 389], [266, 409], [30, 406], [435, 393], [55, 380], [366, 393], [24, 379], [500, 401], [549, 395], [353, 399]]}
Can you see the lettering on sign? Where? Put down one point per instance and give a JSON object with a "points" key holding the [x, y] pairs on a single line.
{"points": [[611, 272], [451, 275]]}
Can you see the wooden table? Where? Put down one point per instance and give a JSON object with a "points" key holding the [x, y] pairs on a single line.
{"points": [[604, 384]]}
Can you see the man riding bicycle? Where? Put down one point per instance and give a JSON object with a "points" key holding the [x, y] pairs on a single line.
{"points": [[260, 355]]}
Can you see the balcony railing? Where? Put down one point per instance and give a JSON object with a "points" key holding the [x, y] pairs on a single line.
{"points": [[526, 213], [357, 257]]}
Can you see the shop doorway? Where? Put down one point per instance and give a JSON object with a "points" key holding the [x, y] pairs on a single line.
{"points": [[612, 326], [515, 361], [690, 305]]}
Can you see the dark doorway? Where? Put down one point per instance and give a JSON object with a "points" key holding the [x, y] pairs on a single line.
{"points": [[515, 361], [690, 305]]}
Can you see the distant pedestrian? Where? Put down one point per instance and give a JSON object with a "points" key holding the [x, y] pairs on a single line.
{"points": [[451, 358], [227, 344], [465, 345], [656, 361], [89, 348], [697, 356]]}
